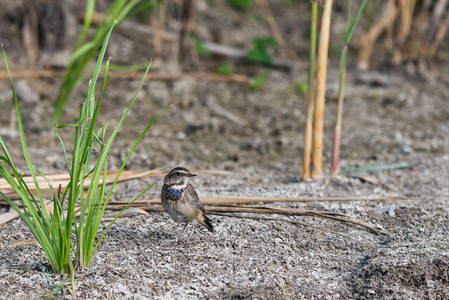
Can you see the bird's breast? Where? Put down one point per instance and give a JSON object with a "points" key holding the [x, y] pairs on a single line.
{"points": [[172, 193]]}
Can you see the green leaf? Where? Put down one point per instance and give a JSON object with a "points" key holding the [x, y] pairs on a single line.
{"points": [[86, 51], [224, 69], [201, 48], [378, 168], [265, 43], [259, 52], [302, 87], [241, 4], [257, 83]]}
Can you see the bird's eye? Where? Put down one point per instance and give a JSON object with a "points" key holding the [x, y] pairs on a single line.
{"points": [[178, 173]]}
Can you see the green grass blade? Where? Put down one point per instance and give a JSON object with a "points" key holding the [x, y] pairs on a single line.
{"points": [[90, 8], [64, 150], [354, 23], [117, 11], [118, 215], [378, 168]]}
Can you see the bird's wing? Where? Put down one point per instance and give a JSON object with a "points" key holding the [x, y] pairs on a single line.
{"points": [[192, 197]]}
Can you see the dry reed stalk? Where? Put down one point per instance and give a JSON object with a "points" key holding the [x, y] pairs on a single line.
{"points": [[162, 21], [249, 200], [310, 92], [187, 25], [268, 210], [406, 10], [442, 31], [418, 29], [156, 41], [12, 214], [389, 32], [63, 179], [338, 124], [367, 40], [317, 155], [131, 75], [277, 34], [30, 35]]}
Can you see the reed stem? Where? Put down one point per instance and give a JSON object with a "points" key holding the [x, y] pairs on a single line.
{"points": [[311, 91]]}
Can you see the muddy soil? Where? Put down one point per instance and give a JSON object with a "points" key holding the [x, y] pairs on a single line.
{"points": [[389, 117]]}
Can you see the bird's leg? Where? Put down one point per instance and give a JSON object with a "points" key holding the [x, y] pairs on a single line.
{"points": [[190, 234], [184, 229], [182, 232]]}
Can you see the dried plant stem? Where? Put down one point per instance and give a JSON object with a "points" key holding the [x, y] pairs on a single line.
{"points": [[134, 75], [272, 210], [318, 122], [440, 36], [188, 23], [162, 20], [246, 200], [368, 39], [156, 41], [311, 91], [406, 8], [263, 5], [350, 27], [418, 29], [337, 132]]}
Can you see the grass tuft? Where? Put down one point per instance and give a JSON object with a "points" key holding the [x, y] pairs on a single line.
{"points": [[53, 222]]}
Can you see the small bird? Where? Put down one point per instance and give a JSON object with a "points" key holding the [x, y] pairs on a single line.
{"points": [[181, 201]]}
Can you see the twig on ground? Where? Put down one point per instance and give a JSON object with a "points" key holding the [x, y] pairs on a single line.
{"points": [[237, 53], [269, 210], [216, 108], [132, 75]]}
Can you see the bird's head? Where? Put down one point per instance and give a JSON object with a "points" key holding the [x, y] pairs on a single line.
{"points": [[178, 177]]}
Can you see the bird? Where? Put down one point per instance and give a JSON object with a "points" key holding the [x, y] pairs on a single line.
{"points": [[181, 201]]}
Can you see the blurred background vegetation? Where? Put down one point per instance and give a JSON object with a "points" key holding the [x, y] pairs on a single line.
{"points": [[225, 40]]}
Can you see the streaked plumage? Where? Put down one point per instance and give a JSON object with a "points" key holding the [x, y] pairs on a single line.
{"points": [[181, 201]]}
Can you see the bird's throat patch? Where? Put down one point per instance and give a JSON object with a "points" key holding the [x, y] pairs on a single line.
{"points": [[174, 192]]}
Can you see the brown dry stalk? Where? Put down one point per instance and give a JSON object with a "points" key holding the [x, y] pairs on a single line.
{"points": [[444, 26], [311, 92], [246, 200], [367, 40], [154, 204], [317, 155], [63, 179], [267, 210], [418, 29], [406, 21], [308, 135], [406, 11], [263, 6], [132, 75], [156, 41], [160, 34]]}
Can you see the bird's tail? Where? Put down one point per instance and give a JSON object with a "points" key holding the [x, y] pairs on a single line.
{"points": [[207, 223]]}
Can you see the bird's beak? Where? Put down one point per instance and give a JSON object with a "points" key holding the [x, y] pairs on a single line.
{"points": [[192, 175]]}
